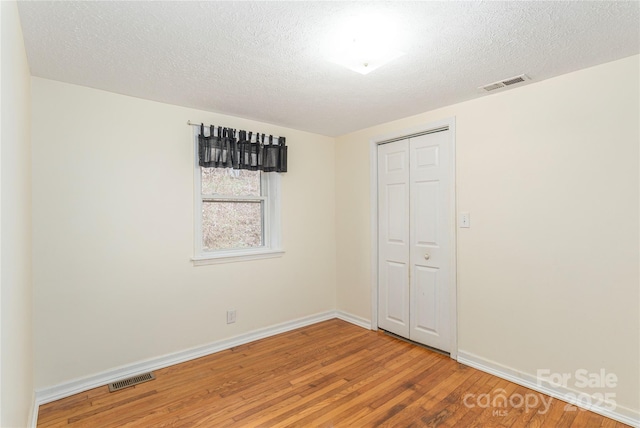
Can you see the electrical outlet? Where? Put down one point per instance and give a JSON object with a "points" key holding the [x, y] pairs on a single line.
{"points": [[231, 316]]}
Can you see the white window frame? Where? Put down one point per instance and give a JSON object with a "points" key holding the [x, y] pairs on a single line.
{"points": [[272, 245]]}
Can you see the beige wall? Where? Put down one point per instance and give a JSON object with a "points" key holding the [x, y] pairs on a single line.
{"points": [[16, 351], [548, 271], [113, 235]]}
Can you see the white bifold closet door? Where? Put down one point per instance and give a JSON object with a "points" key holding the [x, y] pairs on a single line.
{"points": [[414, 238]]}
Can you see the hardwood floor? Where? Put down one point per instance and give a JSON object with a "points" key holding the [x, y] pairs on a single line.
{"points": [[331, 374]]}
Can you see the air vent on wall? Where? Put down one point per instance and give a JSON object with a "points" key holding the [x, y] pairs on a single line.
{"points": [[504, 83], [135, 380]]}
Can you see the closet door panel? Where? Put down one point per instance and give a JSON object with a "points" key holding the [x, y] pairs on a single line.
{"points": [[393, 237], [429, 240]]}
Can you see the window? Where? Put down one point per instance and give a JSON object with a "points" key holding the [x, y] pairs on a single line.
{"points": [[236, 215]]}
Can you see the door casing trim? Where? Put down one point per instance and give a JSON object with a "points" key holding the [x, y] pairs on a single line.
{"points": [[453, 292]]}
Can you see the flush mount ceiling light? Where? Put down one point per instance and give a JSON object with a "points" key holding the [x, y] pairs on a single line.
{"points": [[363, 43], [363, 57]]}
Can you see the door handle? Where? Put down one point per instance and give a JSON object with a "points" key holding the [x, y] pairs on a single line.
{"points": [[427, 256]]}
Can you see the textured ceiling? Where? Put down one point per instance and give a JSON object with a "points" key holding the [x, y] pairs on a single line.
{"points": [[264, 61]]}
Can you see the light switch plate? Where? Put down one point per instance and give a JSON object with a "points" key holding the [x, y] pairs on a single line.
{"points": [[464, 220]]}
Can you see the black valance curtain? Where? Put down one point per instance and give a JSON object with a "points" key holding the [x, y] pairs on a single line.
{"points": [[228, 148]]}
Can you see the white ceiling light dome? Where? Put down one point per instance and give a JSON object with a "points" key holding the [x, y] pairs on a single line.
{"points": [[364, 42]]}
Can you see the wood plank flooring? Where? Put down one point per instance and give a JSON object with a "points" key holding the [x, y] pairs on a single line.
{"points": [[331, 374]]}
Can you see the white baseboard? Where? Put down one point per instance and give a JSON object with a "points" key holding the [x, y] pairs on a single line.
{"points": [[66, 389], [620, 414], [33, 415], [354, 319]]}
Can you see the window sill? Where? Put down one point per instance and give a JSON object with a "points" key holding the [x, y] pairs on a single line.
{"points": [[235, 256]]}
